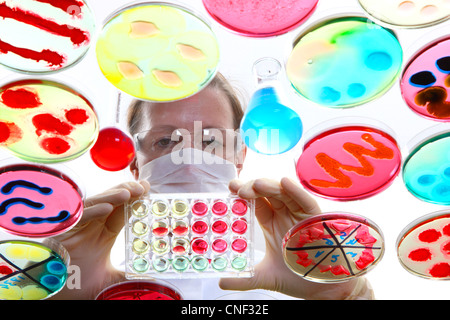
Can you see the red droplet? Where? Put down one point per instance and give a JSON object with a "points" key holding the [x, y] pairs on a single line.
{"points": [[113, 151], [49, 123], [446, 230], [429, 236], [77, 116], [55, 145], [422, 254], [5, 270], [20, 99], [440, 270]]}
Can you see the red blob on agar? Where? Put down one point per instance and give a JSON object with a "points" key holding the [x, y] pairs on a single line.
{"points": [[49, 123], [446, 230], [69, 6], [55, 145], [113, 151], [5, 270], [446, 248], [420, 255], [20, 98], [429, 236], [440, 270], [77, 116], [9, 133]]}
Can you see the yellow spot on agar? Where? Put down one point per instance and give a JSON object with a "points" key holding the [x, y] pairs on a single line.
{"points": [[129, 70], [33, 292], [167, 78], [37, 254], [12, 293], [16, 251], [143, 29], [190, 53]]}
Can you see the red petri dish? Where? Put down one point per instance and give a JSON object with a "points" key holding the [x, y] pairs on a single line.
{"points": [[199, 208], [139, 290], [239, 207], [199, 246], [219, 227], [219, 245], [219, 208], [239, 245], [239, 226]]}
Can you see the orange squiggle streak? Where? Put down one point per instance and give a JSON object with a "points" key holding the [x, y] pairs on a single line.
{"points": [[334, 168]]}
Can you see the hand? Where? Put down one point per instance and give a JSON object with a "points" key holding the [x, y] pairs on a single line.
{"points": [[278, 207], [89, 243]]}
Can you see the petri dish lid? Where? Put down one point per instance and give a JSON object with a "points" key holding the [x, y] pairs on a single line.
{"points": [[333, 247], [157, 51], [44, 36], [407, 14], [37, 201], [37, 269], [348, 159], [260, 18], [344, 61], [45, 120], [423, 246], [140, 290]]}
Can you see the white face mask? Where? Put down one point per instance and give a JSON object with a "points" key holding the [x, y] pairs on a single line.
{"points": [[188, 171]]}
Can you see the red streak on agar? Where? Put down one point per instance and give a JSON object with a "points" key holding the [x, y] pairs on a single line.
{"points": [[333, 167], [440, 270], [446, 230], [338, 270], [365, 260], [76, 35], [419, 255], [68, 6], [20, 98], [49, 123], [446, 248], [55, 145], [429, 236], [52, 57], [77, 116]]}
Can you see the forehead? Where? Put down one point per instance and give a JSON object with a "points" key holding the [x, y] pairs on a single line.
{"points": [[209, 106]]}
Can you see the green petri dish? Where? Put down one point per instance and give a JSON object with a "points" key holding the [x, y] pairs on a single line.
{"points": [[239, 263], [140, 264], [199, 263], [180, 263], [161, 264], [219, 263]]}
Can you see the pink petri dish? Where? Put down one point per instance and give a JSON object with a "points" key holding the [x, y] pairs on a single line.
{"points": [[199, 208], [239, 207], [199, 246], [219, 245], [425, 82], [37, 201], [423, 247], [200, 227], [259, 18], [349, 162], [239, 226], [219, 227], [333, 247], [239, 245], [219, 208], [140, 290]]}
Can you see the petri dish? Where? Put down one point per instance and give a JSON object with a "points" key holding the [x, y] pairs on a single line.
{"points": [[333, 247], [37, 201], [408, 14], [349, 159], [140, 290], [425, 82], [423, 247], [44, 36], [426, 171], [342, 62], [45, 121], [262, 18], [32, 270], [157, 51]]}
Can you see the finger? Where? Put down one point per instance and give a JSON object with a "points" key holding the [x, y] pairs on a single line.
{"points": [[239, 284], [302, 198], [117, 195], [97, 211]]}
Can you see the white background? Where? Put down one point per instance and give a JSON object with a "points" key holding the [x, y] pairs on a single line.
{"points": [[392, 210]]}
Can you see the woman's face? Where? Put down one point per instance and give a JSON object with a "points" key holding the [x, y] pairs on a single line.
{"points": [[203, 121]]}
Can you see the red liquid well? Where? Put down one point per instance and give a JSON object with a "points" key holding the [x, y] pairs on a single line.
{"points": [[139, 291]]}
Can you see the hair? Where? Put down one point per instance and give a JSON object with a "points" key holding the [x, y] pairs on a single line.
{"points": [[219, 82]]}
